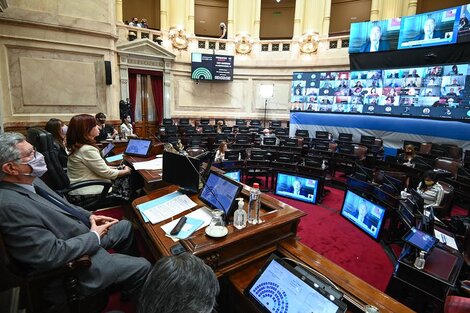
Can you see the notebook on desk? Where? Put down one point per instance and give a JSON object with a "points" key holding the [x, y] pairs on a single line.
{"points": [[278, 287]]}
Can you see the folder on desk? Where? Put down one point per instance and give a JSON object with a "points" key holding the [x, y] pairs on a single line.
{"points": [[191, 225], [165, 207]]}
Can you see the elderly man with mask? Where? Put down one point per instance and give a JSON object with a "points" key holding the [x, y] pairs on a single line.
{"points": [[44, 231]]}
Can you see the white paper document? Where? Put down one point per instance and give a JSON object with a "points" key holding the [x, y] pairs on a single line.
{"points": [[169, 208], [203, 214], [448, 240], [155, 164]]}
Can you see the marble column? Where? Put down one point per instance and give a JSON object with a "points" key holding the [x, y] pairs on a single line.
{"points": [[118, 4], [375, 10], [244, 16], [164, 23], [411, 7], [325, 30], [230, 19], [190, 20], [178, 14], [298, 17]]}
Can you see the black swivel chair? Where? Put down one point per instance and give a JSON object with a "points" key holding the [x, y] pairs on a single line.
{"points": [[32, 283], [56, 177], [167, 121]]}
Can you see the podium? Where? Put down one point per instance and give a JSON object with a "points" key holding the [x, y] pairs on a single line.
{"points": [[429, 286]]}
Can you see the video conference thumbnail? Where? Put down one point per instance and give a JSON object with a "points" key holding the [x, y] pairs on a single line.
{"points": [[389, 92]]}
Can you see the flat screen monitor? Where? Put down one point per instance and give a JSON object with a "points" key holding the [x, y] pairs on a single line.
{"points": [[138, 147], [417, 200], [233, 155], [361, 34], [359, 185], [219, 193], [363, 213], [181, 170], [107, 150], [278, 287], [429, 29], [290, 142], [297, 187], [420, 240], [235, 175], [211, 67]]}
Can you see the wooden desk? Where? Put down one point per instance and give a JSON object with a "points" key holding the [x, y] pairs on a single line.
{"points": [[152, 178], [356, 292], [239, 247]]}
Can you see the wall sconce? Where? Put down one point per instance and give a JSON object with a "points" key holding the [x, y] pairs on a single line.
{"points": [[309, 42]]}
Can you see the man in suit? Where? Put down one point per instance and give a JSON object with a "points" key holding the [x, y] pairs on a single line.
{"points": [[363, 216], [429, 31], [44, 231], [375, 43], [297, 189]]}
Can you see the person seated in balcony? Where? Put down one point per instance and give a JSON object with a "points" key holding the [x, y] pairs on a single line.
{"points": [[431, 191], [143, 23], [58, 130], [85, 161], [135, 22]]}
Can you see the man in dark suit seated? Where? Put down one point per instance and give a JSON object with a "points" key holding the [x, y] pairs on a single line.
{"points": [[297, 189], [429, 30], [375, 43], [43, 231]]}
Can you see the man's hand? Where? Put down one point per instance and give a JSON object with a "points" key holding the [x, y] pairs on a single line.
{"points": [[101, 224]]}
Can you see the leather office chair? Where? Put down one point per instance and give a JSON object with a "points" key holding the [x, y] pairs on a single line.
{"points": [[32, 283], [56, 177], [447, 164], [360, 152], [456, 304], [444, 208], [195, 151], [425, 148]]}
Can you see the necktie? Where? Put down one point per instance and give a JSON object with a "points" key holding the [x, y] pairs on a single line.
{"points": [[43, 193]]}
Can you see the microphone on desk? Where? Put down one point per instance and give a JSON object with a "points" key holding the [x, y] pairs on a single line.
{"points": [[418, 160], [203, 176]]}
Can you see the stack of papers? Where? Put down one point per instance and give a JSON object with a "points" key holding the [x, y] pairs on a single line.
{"points": [[155, 164], [165, 207]]}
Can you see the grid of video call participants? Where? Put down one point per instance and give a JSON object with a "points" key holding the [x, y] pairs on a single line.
{"points": [[436, 91]]}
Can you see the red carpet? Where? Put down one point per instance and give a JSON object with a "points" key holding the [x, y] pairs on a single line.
{"points": [[325, 231]]}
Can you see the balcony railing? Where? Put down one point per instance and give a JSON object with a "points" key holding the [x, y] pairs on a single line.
{"points": [[130, 33]]}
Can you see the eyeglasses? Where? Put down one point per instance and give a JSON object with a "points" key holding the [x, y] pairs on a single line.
{"points": [[31, 155]]}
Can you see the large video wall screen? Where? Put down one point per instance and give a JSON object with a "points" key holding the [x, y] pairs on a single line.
{"points": [[430, 92], [436, 28]]}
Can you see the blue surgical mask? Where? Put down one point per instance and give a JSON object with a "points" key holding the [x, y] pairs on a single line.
{"points": [[38, 164]]}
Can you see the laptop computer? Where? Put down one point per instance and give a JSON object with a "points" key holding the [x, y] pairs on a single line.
{"points": [[138, 147], [279, 287], [107, 150]]}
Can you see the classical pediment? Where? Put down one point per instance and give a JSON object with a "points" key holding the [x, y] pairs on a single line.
{"points": [[144, 47]]}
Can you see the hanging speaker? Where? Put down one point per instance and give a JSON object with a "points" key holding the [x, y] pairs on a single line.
{"points": [[107, 72]]}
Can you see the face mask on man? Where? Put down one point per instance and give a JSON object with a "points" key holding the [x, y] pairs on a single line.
{"points": [[38, 164]]}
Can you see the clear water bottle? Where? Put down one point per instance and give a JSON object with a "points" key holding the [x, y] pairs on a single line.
{"points": [[254, 205]]}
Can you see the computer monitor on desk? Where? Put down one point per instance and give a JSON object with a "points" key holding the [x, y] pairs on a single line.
{"points": [[219, 193], [363, 213], [181, 170]]}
